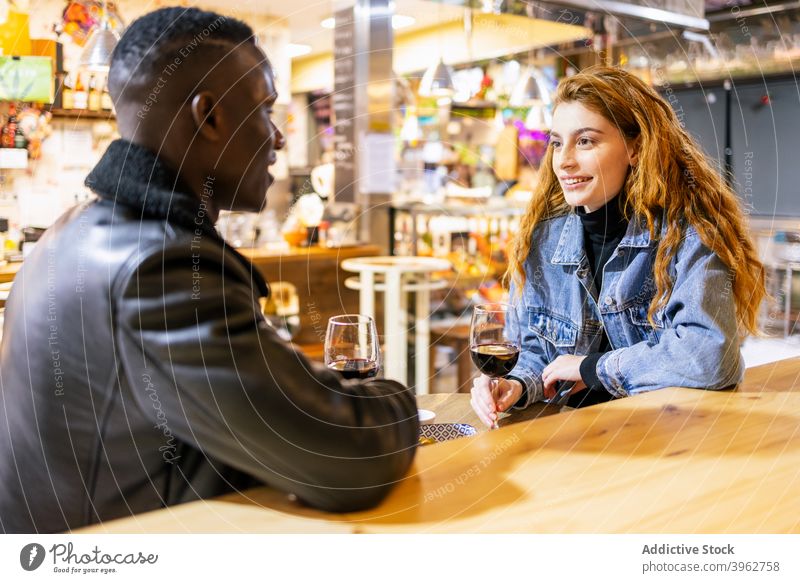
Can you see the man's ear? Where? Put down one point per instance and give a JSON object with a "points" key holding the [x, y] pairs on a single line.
{"points": [[207, 115]]}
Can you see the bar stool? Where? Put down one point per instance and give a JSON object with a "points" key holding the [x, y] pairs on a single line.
{"points": [[401, 276]]}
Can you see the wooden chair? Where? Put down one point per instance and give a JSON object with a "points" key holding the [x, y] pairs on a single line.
{"points": [[456, 336]]}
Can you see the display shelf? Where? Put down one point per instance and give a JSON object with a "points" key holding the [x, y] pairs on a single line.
{"points": [[82, 114], [494, 206]]}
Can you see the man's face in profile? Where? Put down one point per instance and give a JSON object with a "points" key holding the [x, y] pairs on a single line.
{"points": [[250, 147]]}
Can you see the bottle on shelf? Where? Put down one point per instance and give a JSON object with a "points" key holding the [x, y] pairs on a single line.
{"points": [[80, 95], [13, 240], [68, 93], [94, 93], [322, 230], [10, 129], [105, 99], [59, 90], [20, 141]]}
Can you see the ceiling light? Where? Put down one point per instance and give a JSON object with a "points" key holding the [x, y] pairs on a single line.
{"points": [[297, 50], [96, 55], [531, 88], [398, 21], [402, 21], [437, 81], [538, 118]]}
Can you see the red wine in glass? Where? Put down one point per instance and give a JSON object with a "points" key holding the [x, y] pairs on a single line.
{"points": [[351, 346], [355, 368], [495, 359], [494, 341]]}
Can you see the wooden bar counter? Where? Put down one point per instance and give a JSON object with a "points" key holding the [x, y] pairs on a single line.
{"points": [[319, 280], [671, 461], [314, 271], [9, 271]]}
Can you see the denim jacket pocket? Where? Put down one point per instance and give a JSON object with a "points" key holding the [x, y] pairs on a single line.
{"points": [[559, 332], [641, 328]]}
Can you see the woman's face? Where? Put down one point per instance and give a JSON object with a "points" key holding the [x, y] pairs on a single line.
{"points": [[590, 156]]}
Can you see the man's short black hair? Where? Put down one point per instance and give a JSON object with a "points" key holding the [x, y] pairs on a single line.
{"points": [[165, 38]]}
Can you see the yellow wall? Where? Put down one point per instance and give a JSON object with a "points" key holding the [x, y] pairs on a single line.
{"points": [[15, 36], [493, 36], [310, 73]]}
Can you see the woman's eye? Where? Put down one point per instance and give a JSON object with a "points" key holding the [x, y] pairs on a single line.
{"points": [[555, 143], [585, 142]]}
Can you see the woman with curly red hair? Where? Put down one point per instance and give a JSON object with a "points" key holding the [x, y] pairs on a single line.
{"points": [[633, 269]]}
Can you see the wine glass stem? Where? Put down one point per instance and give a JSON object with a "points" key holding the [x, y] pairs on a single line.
{"points": [[493, 389]]}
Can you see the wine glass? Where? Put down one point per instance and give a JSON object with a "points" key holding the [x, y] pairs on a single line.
{"points": [[351, 346], [494, 341]]}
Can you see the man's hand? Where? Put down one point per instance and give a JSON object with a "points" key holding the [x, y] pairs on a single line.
{"points": [[564, 368], [488, 403]]}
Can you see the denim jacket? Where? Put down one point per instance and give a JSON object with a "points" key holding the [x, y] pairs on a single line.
{"points": [[695, 340]]}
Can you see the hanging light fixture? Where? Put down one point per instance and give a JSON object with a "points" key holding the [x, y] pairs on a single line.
{"points": [[538, 118], [437, 81], [529, 89], [96, 54]]}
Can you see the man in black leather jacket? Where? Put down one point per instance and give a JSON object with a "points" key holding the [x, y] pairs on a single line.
{"points": [[136, 368]]}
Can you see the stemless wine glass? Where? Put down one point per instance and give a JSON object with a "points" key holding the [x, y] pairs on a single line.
{"points": [[494, 341], [351, 346]]}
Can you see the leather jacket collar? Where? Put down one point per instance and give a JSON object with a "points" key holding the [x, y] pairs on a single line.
{"points": [[133, 176]]}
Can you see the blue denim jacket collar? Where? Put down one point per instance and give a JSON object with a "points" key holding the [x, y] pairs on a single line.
{"points": [[569, 250]]}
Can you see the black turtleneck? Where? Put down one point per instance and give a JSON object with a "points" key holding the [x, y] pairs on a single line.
{"points": [[603, 229]]}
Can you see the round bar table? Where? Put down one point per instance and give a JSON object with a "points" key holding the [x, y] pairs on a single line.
{"points": [[400, 276]]}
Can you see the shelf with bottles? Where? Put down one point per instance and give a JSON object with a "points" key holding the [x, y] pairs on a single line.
{"points": [[483, 138], [82, 94], [735, 48], [81, 114], [23, 128], [473, 238]]}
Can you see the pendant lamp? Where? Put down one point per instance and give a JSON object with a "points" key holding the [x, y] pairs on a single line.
{"points": [[437, 81], [96, 54], [529, 89]]}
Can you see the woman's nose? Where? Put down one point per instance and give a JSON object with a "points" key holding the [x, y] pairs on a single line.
{"points": [[567, 158]]}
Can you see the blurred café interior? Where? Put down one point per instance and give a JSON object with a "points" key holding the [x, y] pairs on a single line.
{"points": [[414, 131]]}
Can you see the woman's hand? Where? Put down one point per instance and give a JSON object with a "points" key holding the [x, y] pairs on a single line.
{"points": [[486, 404], [564, 368]]}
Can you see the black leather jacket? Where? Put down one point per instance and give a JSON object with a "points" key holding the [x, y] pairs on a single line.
{"points": [[138, 372]]}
